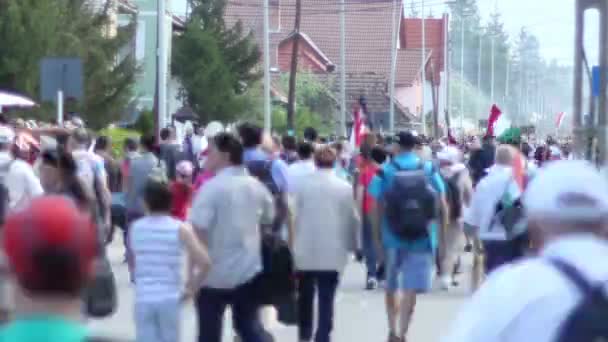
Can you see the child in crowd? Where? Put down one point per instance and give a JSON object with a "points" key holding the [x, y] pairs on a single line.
{"points": [[181, 190]]}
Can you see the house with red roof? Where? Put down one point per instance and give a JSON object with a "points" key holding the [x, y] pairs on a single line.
{"points": [[368, 51]]}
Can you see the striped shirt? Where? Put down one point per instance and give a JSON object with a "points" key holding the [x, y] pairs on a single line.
{"points": [[157, 248]]}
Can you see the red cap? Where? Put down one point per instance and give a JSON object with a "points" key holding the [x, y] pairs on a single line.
{"points": [[49, 223]]}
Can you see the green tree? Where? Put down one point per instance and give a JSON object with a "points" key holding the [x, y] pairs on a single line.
{"points": [[33, 29], [465, 13], [215, 63]]}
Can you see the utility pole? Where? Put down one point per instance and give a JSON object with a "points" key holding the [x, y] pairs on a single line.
{"points": [[342, 68], [479, 75], [160, 100], [492, 71], [267, 108], [393, 69], [462, 72], [294, 68], [423, 116]]}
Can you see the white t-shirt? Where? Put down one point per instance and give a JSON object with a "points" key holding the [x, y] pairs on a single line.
{"points": [[229, 209], [298, 171], [90, 165], [157, 248], [21, 181], [530, 300], [487, 194]]}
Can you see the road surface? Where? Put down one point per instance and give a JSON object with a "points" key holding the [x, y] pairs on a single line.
{"points": [[359, 315]]}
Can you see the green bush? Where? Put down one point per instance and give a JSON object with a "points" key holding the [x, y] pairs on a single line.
{"points": [[117, 138]]}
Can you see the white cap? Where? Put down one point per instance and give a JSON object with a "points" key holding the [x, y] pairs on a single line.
{"points": [[567, 190], [7, 135]]}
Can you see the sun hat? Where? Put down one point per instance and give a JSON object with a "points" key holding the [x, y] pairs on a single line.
{"points": [[567, 190]]}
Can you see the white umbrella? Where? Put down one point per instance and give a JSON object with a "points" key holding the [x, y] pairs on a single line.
{"points": [[8, 99]]}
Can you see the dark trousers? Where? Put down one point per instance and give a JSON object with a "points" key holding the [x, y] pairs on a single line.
{"points": [[326, 283], [211, 305], [369, 247]]}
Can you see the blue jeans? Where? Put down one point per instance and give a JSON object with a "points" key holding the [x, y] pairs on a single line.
{"points": [[409, 270], [211, 305], [326, 282], [158, 321], [369, 247]]}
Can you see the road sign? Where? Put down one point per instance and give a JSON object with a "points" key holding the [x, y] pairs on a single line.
{"points": [[61, 74]]}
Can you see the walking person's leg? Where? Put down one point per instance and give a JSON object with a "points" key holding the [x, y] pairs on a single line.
{"points": [[169, 313], [306, 299], [246, 318], [417, 273], [370, 254], [393, 260], [210, 307], [145, 323], [328, 284]]}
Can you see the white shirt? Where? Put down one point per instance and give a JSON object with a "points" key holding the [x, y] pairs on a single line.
{"points": [[487, 194], [230, 208], [325, 222], [21, 182], [157, 248], [297, 172], [530, 300]]}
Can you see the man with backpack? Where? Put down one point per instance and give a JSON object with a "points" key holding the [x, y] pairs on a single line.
{"points": [[408, 194], [496, 194], [459, 190], [559, 294]]}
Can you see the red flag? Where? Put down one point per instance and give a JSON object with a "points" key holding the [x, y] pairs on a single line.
{"points": [[495, 113], [560, 119], [358, 130]]}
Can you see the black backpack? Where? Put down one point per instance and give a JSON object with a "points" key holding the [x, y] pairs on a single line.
{"points": [[587, 322], [262, 170], [454, 196], [410, 203]]}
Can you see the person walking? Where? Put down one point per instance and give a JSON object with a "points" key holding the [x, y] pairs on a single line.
{"points": [[301, 169], [558, 293], [233, 242], [459, 187], [369, 164], [157, 242], [140, 170], [182, 190], [325, 233], [500, 183], [409, 249]]}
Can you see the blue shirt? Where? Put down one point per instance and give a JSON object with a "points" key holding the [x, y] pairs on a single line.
{"points": [[379, 186], [279, 167]]}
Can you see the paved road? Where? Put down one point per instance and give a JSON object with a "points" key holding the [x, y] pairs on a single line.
{"points": [[360, 314]]}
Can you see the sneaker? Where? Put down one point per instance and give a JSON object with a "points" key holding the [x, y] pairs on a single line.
{"points": [[371, 284], [445, 282], [395, 338]]}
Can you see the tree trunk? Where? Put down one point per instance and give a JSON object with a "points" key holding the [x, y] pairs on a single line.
{"points": [[291, 102]]}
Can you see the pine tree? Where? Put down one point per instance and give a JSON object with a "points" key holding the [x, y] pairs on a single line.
{"points": [[33, 29], [214, 63], [467, 11]]}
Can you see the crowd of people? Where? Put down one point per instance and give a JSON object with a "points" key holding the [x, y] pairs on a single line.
{"points": [[267, 221]]}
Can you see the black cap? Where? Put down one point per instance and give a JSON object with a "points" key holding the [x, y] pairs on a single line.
{"points": [[407, 139]]}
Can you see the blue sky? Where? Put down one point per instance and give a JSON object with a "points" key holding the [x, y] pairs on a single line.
{"points": [[552, 21]]}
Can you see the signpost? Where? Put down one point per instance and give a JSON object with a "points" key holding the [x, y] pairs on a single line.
{"points": [[60, 78]]}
